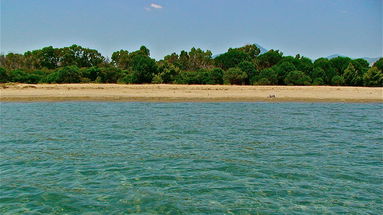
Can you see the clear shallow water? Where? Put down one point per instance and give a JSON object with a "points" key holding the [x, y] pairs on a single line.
{"points": [[191, 158]]}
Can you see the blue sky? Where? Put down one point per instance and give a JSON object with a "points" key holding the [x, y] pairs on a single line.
{"points": [[313, 28]]}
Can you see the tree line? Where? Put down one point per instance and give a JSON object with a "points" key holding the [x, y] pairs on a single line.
{"points": [[238, 66]]}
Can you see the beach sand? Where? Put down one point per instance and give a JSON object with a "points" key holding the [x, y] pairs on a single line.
{"points": [[186, 93]]}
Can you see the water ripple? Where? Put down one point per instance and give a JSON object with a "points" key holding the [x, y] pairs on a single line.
{"points": [[191, 158]]}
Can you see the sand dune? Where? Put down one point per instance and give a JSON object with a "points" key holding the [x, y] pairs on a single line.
{"points": [[184, 93]]}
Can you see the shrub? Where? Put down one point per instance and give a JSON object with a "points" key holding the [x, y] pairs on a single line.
{"points": [[318, 81], [214, 76], [270, 74], [297, 78], [337, 80], [18, 75], [90, 73], [263, 81], [189, 77], [3, 75], [109, 75], [157, 79], [234, 76], [68, 74], [373, 77]]}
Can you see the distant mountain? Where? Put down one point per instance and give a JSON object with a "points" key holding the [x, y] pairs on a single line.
{"points": [[334, 56], [370, 60], [263, 50]]}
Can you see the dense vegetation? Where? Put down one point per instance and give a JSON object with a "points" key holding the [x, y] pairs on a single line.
{"points": [[240, 66]]}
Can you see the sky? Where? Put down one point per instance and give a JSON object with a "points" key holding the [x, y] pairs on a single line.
{"points": [[312, 28]]}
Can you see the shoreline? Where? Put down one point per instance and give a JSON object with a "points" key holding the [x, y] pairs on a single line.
{"points": [[186, 93]]}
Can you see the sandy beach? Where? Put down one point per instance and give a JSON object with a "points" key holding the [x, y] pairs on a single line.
{"points": [[186, 93]]}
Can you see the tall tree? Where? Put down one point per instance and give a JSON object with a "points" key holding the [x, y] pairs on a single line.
{"points": [[326, 67], [352, 76], [373, 77], [268, 59], [231, 58]]}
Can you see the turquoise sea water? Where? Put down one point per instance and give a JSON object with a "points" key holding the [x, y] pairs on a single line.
{"points": [[191, 158]]}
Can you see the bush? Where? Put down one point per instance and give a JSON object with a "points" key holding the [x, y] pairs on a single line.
{"points": [[214, 76], [263, 81], [379, 64], [352, 76], [231, 58], [249, 68], [90, 74], [109, 75], [373, 77], [36, 76], [18, 75], [157, 79], [283, 69], [3, 76], [337, 80], [318, 81], [270, 74], [167, 74], [68, 74], [235, 76], [127, 79], [190, 77], [297, 78], [144, 68]]}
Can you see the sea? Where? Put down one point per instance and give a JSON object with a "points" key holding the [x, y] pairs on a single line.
{"points": [[191, 158]]}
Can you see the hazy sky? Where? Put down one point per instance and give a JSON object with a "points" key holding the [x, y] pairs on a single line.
{"points": [[313, 28]]}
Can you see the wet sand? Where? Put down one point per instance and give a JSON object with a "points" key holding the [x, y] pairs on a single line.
{"points": [[186, 93]]}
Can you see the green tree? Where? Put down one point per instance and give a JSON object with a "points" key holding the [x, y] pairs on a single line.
{"points": [[13, 61], [49, 57], [231, 58], [360, 65], [183, 62], [340, 64], [68, 74], [127, 77], [268, 59], [326, 67], [337, 80], [282, 70], [121, 59], [352, 77], [379, 64], [215, 76], [81, 57], [19, 76], [305, 65], [199, 59], [267, 77], [144, 68], [373, 77], [90, 73], [235, 76], [252, 50], [167, 73], [318, 81], [108, 75], [297, 78], [249, 68], [36, 76], [191, 77], [3, 75], [319, 73], [172, 59]]}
